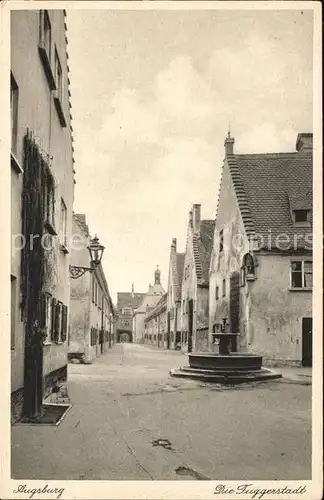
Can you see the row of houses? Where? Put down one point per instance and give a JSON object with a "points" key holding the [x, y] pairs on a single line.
{"points": [[54, 311], [248, 271]]}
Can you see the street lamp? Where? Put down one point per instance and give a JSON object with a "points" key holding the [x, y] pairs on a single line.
{"points": [[96, 252]]}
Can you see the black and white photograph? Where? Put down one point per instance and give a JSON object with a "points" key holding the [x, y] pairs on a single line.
{"points": [[162, 229]]}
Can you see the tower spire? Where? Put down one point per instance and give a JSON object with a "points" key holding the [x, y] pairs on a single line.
{"points": [[157, 276]]}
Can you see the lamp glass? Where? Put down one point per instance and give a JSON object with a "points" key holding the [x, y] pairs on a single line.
{"points": [[96, 251]]}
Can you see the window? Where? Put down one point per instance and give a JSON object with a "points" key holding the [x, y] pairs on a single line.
{"points": [[59, 323], [301, 216], [47, 34], [301, 274], [217, 293], [48, 317], [14, 112], [45, 46], [13, 297], [127, 310], [58, 96], [242, 276], [63, 219], [224, 288], [49, 193], [58, 77], [94, 334], [221, 240]]}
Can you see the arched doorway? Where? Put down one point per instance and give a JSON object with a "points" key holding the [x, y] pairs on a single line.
{"points": [[124, 336]]}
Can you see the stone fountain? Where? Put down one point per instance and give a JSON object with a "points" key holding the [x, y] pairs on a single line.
{"points": [[225, 367]]}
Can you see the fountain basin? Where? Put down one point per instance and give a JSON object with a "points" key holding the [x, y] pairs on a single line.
{"points": [[234, 368], [234, 361]]}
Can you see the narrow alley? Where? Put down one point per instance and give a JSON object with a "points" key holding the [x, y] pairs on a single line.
{"points": [[130, 420]]}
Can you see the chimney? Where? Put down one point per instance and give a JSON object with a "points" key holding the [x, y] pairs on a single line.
{"points": [[196, 217], [304, 142], [133, 290], [174, 244], [229, 145]]}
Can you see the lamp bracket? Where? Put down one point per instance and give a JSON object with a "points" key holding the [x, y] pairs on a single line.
{"points": [[78, 271]]}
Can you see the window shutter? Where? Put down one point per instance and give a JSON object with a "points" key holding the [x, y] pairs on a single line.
{"points": [[57, 322], [42, 311], [53, 319], [64, 323]]}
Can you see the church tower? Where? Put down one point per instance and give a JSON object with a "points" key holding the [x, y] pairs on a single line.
{"points": [[157, 276]]}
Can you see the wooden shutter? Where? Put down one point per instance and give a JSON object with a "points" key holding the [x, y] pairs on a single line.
{"points": [[64, 323], [57, 322], [53, 309], [42, 312]]}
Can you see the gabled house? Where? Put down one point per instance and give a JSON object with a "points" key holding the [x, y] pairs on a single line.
{"points": [[149, 301], [195, 282], [92, 314], [127, 303], [261, 266], [176, 264], [155, 324]]}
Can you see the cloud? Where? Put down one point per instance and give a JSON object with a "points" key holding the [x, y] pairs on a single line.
{"points": [[150, 144], [266, 139]]}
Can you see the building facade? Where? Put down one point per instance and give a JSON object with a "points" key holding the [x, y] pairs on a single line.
{"points": [[127, 303], [149, 301], [261, 266], [156, 325], [176, 264], [195, 282], [42, 192], [92, 315]]}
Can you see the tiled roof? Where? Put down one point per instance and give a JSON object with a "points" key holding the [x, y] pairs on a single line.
{"points": [[202, 249], [127, 299], [268, 187]]}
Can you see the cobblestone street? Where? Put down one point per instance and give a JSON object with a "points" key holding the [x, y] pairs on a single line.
{"points": [[131, 420]]}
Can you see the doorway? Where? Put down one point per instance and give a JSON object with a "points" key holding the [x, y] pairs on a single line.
{"points": [[307, 342], [169, 328], [234, 306], [190, 336]]}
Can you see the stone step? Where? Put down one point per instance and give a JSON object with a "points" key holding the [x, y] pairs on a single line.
{"points": [[225, 378]]}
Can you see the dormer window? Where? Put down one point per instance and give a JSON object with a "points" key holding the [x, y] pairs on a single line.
{"points": [[301, 215]]}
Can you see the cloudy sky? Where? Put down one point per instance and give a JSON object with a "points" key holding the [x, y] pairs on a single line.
{"points": [[152, 95]]}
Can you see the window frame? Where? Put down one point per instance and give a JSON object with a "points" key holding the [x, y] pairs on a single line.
{"points": [[302, 273], [44, 49], [48, 317], [224, 288], [49, 196], [63, 226], [59, 83]]}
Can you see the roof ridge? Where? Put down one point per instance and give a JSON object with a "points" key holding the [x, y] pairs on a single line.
{"points": [[287, 153]]}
